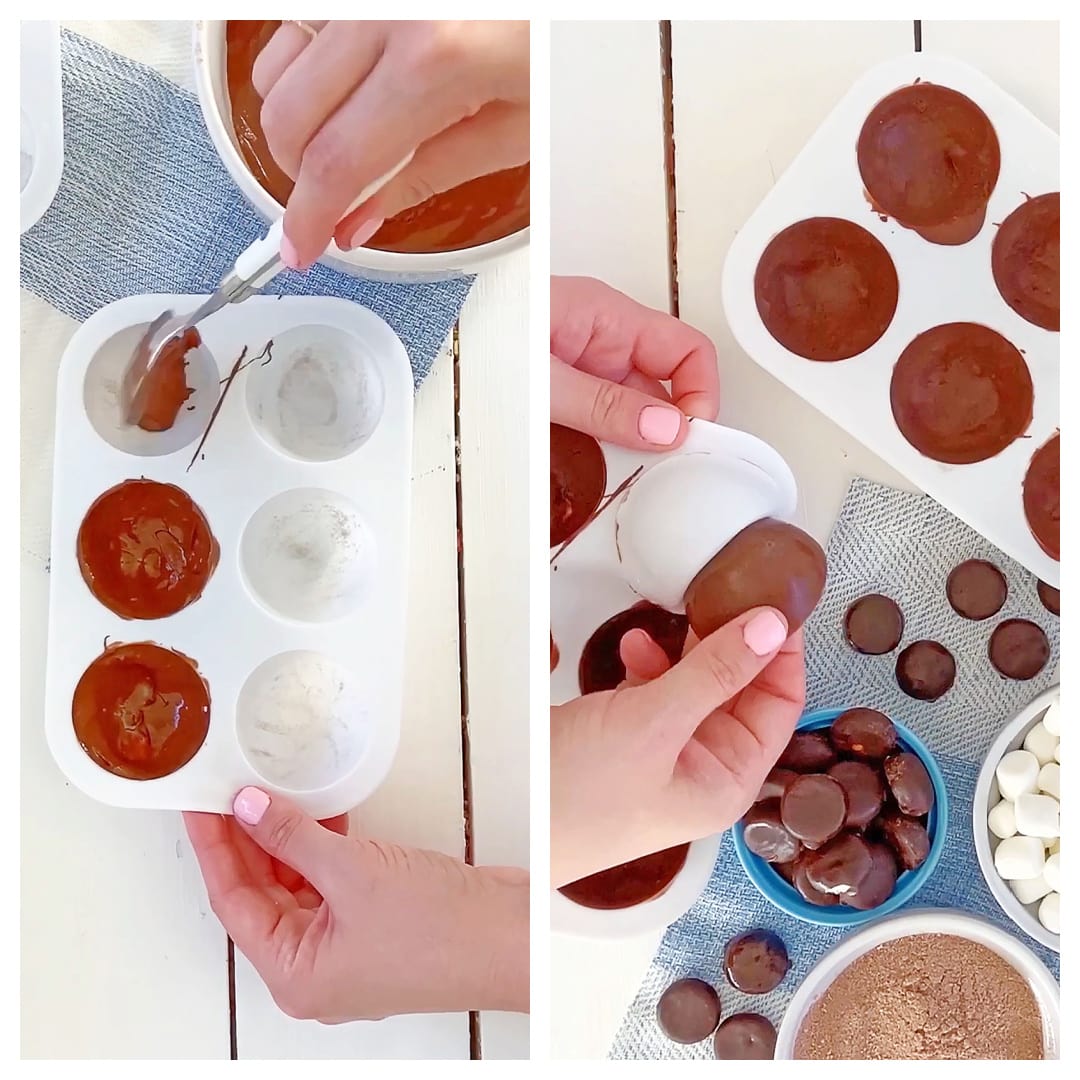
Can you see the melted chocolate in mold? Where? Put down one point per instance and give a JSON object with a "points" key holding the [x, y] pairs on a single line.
{"points": [[1042, 496], [578, 478], [1026, 260], [961, 393], [601, 666], [874, 624], [165, 388], [1019, 649], [925, 670], [630, 883], [976, 589]]}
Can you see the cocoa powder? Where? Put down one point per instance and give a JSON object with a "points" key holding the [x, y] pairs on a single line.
{"points": [[928, 996]]}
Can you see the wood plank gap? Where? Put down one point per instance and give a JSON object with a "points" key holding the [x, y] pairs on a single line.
{"points": [[475, 1052], [918, 35], [230, 963], [667, 90]]}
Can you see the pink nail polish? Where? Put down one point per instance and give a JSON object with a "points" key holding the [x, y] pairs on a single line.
{"points": [[250, 805], [764, 633], [363, 233], [659, 425], [288, 254]]}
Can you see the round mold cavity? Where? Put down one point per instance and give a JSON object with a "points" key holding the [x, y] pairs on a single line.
{"points": [[319, 396], [101, 398], [301, 721], [308, 554]]}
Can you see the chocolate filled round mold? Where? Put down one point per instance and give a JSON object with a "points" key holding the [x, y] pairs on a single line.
{"points": [[807, 751], [805, 887], [756, 962], [826, 289], [1050, 597], [145, 550], [925, 670], [879, 883], [840, 865], [1026, 260], [813, 808], [768, 564], [961, 393], [1019, 649], [864, 790], [874, 624], [1042, 496], [864, 733], [909, 783], [578, 478], [745, 1036], [775, 784], [688, 1011], [907, 837], [601, 666], [629, 883], [141, 711], [765, 835], [976, 589], [929, 157]]}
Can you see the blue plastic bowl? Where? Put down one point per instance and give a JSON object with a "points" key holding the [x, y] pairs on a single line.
{"points": [[784, 896]]}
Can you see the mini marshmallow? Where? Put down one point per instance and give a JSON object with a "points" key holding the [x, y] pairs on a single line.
{"points": [[1002, 820], [1019, 858], [1052, 872], [1017, 773], [1053, 847], [1052, 719], [1031, 889], [1038, 816], [1049, 781], [1050, 912], [1041, 743]]}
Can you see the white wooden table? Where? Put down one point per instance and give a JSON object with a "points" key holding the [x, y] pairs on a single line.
{"points": [[121, 957], [745, 97]]}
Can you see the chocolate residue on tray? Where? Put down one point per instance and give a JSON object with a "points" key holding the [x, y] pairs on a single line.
{"points": [[217, 408], [604, 504]]}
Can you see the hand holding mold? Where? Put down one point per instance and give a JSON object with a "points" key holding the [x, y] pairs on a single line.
{"points": [[346, 928], [609, 357], [678, 756]]}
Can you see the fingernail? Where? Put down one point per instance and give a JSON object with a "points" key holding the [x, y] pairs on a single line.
{"points": [[363, 233], [288, 254], [764, 633], [250, 805], [658, 425]]}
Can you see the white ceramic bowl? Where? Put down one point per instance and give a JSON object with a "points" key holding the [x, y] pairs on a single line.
{"points": [[655, 914], [213, 94], [986, 795], [926, 921]]}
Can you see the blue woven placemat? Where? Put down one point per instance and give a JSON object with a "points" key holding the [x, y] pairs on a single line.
{"points": [[904, 545], [146, 206]]}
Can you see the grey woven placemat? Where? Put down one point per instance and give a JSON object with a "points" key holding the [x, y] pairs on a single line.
{"points": [[904, 545]]}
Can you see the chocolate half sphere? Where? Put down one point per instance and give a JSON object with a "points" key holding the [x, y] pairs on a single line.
{"points": [[1042, 496], [1026, 260], [769, 564]]}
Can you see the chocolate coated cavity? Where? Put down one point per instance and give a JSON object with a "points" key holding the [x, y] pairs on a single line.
{"points": [[688, 1011], [863, 733], [1019, 649], [813, 808], [1026, 260], [745, 1037], [601, 666], [1042, 497], [578, 477], [925, 670], [874, 624], [756, 962]]}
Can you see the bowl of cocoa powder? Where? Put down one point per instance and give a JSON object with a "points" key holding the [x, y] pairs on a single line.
{"points": [[933, 984]]}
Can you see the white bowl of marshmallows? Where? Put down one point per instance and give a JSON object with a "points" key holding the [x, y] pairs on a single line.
{"points": [[1016, 819]]}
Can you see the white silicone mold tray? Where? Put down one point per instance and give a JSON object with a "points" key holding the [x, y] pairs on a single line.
{"points": [[41, 120], [938, 284], [304, 480]]}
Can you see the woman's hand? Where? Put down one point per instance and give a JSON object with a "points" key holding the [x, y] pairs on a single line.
{"points": [[608, 357], [672, 755], [346, 107], [341, 928]]}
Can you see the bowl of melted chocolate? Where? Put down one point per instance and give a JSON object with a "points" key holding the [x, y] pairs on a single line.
{"points": [[451, 233]]}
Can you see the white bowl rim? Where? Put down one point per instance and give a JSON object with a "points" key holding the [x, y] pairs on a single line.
{"points": [[462, 260], [980, 808], [925, 921], [576, 920]]}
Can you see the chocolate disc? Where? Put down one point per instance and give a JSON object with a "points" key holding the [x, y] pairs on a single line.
{"points": [[908, 839], [1026, 260], [630, 883], [745, 1037], [840, 865], [1050, 597], [826, 289], [813, 808], [805, 887], [775, 784], [879, 883], [925, 670], [909, 783], [1019, 649], [929, 157], [786, 870], [756, 962], [976, 589], [961, 393], [874, 624], [807, 751], [863, 733], [765, 835], [578, 477], [1042, 497], [688, 1011], [864, 790], [601, 666]]}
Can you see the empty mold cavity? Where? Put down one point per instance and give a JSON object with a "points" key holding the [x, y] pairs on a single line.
{"points": [[308, 554], [101, 398], [319, 396], [301, 721]]}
